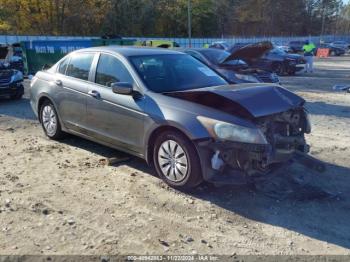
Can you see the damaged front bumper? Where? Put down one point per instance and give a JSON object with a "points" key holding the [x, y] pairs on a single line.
{"points": [[11, 89], [226, 162]]}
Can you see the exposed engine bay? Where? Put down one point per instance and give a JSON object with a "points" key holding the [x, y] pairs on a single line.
{"points": [[285, 133], [279, 115]]}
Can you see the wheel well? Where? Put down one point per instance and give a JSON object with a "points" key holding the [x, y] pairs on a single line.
{"points": [[41, 101], [155, 134]]}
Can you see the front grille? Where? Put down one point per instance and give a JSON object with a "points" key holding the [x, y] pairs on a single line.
{"points": [[17, 65], [5, 77]]}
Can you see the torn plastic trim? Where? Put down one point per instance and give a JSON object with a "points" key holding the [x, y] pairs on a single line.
{"points": [[239, 163]]}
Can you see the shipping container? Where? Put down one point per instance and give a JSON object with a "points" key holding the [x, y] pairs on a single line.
{"points": [[37, 54]]}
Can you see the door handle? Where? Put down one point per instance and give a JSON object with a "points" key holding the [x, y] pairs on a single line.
{"points": [[94, 94], [58, 82]]}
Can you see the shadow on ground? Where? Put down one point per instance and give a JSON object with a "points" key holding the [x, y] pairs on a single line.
{"points": [[107, 152], [320, 216], [320, 210]]}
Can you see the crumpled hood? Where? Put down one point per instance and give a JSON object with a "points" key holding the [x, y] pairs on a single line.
{"points": [[245, 100], [249, 51]]}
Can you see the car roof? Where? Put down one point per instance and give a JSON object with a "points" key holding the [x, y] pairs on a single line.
{"points": [[130, 50]]}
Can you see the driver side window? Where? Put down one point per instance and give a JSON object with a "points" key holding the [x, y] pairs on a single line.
{"points": [[110, 70]]}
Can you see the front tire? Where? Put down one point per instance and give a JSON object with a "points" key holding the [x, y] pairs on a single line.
{"points": [[279, 69], [176, 161], [50, 121]]}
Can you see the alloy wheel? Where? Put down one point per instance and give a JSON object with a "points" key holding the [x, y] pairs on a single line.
{"points": [[49, 120], [173, 161]]}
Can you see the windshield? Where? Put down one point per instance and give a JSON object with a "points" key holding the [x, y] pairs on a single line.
{"points": [[174, 72], [278, 51]]}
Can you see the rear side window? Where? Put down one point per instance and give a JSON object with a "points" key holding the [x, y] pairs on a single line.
{"points": [[111, 70], [79, 66], [63, 66]]}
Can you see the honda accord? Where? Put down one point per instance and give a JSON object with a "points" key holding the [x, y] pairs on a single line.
{"points": [[173, 111]]}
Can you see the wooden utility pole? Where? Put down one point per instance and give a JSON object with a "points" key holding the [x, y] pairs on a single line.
{"points": [[189, 18]]}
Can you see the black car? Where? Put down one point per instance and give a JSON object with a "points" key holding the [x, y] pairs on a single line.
{"points": [[333, 50], [234, 70], [11, 82], [296, 46], [263, 55]]}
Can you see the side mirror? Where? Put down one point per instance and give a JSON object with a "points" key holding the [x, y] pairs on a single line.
{"points": [[122, 88]]}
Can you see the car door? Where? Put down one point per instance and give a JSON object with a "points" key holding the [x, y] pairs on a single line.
{"points": [[71, 81], [115, 118]]}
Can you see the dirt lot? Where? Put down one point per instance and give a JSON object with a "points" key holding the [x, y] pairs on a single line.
{"points": [[59, 198]]}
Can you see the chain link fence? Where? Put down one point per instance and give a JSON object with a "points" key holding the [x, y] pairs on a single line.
{"points": [[200, 42], [184, 42]]}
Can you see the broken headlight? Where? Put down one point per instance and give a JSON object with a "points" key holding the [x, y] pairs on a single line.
{"points": [[231, 132], [308, 122]]}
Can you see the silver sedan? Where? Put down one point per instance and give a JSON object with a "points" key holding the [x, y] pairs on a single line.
{"points": [[171, 110]]}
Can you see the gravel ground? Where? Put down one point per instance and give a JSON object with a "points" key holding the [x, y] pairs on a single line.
{"points": [[61, 198]]}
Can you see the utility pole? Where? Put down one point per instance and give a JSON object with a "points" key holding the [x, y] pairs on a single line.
{"points": [[323, 19], [189, 18]]}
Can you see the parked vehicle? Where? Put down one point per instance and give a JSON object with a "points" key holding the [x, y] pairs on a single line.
{"points": [[173, 111], [341, 44], [39, 53], [160, 43], [220, 45], [296, 46], [11, 82], [264, 56], [285, 48], [333, 51], [234, 70]]}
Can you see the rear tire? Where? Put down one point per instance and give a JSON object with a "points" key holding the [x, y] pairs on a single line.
{"points": [[50, 121], [176, 161]]}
